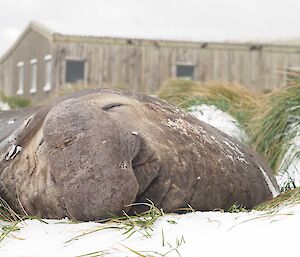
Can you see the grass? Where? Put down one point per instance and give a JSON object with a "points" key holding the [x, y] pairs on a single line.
{"points": [[15, 101], [231, 98], [179, 241], [137, 253], [146, 220], [236, 208], [129, 225], [141, 222], [289, 197], [276, 124], [273, 207], [7, 229], [96, 254], [11, 220], [8, 215]]}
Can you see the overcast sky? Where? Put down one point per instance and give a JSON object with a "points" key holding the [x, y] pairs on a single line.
{"points": [[209, 20]]}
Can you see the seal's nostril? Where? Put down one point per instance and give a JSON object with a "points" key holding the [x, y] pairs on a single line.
{"points": [[112, 106]]}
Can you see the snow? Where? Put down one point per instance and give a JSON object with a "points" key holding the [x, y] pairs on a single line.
{"points": [[218, 119], [4, 106], [193, 234], [290, 165], [269, 183]]}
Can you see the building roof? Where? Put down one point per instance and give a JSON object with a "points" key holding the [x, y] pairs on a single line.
{"points": [[135, 31], [88, 32], [35, 26]]}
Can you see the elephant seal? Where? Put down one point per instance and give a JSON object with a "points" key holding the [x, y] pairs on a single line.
{"points": [[97, 151]]}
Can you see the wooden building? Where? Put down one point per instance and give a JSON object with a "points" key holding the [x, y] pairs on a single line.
{"points": [[43, 60]]}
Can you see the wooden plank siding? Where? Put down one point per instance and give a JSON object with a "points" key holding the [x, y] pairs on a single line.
{"points": [[143, 65]]}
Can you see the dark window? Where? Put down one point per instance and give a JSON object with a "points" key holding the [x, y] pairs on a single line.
{"points": [[74, 71], [185, 72]]}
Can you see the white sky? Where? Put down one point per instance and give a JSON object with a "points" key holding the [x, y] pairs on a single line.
{"points": [[207, 20]]}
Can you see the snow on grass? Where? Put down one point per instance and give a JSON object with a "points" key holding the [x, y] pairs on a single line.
{"points": [[193, 234], [289, 172], [218, 119]]}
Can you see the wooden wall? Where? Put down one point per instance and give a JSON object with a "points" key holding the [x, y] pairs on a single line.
{"points": [[145, 66]]}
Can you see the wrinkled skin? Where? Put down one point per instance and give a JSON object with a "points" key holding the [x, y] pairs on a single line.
{"points": [[96, 151]]}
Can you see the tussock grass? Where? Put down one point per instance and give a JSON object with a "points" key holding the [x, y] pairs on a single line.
{"points": [[231, 98], [8, 215], [276, 124], [289, 197], [15, 101]]}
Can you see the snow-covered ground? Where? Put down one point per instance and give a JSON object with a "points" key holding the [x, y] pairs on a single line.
{"points": [[187, 235]]}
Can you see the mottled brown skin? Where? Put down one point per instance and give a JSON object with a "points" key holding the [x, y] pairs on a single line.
{"points": [[96, 151]]}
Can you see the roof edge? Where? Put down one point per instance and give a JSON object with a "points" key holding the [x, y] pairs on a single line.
{"points": [[35, 26], [69, 38]]}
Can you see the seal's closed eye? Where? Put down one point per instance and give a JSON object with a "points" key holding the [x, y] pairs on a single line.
{"points": [[111, 106]]}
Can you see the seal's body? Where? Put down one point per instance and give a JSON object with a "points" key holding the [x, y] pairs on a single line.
{"points": [[96, 151]]}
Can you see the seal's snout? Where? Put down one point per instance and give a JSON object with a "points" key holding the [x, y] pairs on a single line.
{"points": [[87, 161]]}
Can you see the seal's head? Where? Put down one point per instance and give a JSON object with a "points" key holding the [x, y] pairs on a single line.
{"points": [[91, 149]]}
